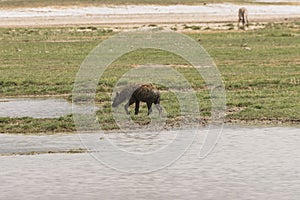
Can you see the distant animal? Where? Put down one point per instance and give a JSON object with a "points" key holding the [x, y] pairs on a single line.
{"points": [[137, 93], [243, 17]]}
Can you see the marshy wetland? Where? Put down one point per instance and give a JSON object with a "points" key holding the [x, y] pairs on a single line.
{"points": [[256, 155]]}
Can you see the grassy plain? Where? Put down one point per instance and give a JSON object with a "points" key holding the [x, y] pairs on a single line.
{"points": [[260, 69]]}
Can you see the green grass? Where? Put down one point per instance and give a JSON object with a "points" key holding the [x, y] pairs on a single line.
{"points": [[44, 61], [260, 69], [265, 79], [28, 125]]}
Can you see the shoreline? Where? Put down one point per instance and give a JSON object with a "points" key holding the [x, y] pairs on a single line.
{"points": [[139, 15]]}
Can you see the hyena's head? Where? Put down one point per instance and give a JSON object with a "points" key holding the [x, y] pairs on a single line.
{"points": [[124, 94], [118, 99]]}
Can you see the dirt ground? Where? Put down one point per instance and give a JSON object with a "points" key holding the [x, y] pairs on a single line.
{"points": [[143, 15]]}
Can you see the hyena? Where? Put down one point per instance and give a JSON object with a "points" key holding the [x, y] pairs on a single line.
{"points": [[243, 17], [136, 93]]}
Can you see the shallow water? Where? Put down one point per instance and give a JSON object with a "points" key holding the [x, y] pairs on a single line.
{"points": [[36, 107], [208, 10], [247, 163]]}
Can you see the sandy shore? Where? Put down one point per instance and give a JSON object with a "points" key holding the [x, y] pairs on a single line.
{"points": [[137, 15]]}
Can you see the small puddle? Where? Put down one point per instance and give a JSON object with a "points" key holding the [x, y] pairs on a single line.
{"points": [[35, 107]]}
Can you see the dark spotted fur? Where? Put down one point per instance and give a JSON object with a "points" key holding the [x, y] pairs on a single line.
{"points": [[135, 94]]}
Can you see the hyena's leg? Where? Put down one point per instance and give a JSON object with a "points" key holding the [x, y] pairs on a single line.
{"points": [[149, 105], [137, 107], [126, 108], [129, 103], [158, 108]]}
